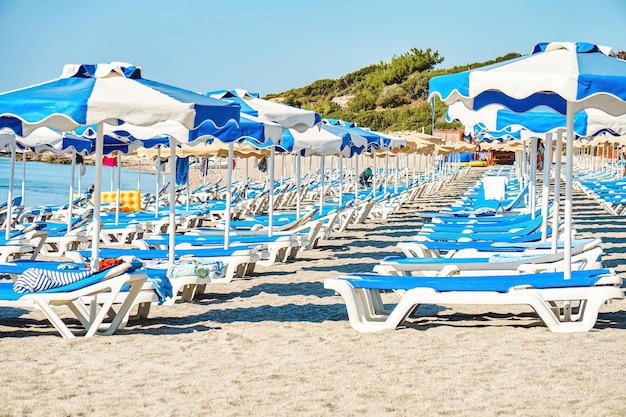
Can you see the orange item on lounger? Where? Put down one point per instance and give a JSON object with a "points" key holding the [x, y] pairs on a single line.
{"points": [[106, 263]]}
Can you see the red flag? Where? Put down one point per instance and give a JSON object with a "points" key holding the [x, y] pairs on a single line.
{"points": [[109, 161]]}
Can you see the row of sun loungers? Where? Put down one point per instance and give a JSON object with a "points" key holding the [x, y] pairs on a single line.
{"points": [[105, 300], [487, 258], [606, 187]]}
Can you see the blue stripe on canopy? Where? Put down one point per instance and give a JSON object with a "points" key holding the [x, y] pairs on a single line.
{"points": [[600, 73], [66, 96], [594, 71], [231, 132], [551, 100], [445, 85], [541, 121], [205, 106], [231, 96]]}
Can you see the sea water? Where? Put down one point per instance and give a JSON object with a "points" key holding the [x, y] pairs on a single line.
{"points": [[49, 184]]}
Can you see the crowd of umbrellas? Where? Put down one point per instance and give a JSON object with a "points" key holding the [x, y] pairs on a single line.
{"points": [[557, 94], [98, 109]]}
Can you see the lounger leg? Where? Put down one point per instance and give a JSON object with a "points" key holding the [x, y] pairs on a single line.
{"points": [[365, 308], [121, 317], [583, 318], [143, 309], [54, 318], [231, 271]]}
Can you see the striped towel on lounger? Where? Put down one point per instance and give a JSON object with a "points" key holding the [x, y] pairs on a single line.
{"points": [[37, 279]]}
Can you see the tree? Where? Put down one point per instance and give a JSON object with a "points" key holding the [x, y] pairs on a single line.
{"points": [[326, 108], [386, 95], [416, 85], [362, 101], [393, 96]]}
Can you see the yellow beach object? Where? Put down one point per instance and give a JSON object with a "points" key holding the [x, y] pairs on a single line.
{"points": [[474, 164], [130, 200]]}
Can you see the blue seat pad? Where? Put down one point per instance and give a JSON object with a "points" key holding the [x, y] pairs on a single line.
{"points": [[498, 283]]}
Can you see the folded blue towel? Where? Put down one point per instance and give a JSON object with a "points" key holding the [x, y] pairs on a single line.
{"points": [[163, 287]]}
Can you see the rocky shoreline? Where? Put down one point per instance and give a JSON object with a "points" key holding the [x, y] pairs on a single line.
{"points": [[128, 161], [52, 158]]}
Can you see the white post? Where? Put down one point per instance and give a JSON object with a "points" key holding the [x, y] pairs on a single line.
{"points": [[356, 181], [138, 174], [71, 205], [557, 190], [395, 187], [270, 230], [374, 181], [298, 185], [545, 191], [229, 195], [24, 177], [532, 183], [97, 199], [10, 194], [569, 172], [117, 195], [158, 185], [340, 165], [172, 192], [322, 178]]}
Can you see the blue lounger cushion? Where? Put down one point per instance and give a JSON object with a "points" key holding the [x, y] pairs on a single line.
{"points": [[164, 254], [500, 284], [495, 258], [18, 266], [504, 246], [212, 240]]}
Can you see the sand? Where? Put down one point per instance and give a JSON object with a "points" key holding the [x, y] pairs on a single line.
{"points": [[279, 344]]}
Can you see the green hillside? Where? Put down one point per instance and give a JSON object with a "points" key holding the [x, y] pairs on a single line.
{"points": [[388, 96]]}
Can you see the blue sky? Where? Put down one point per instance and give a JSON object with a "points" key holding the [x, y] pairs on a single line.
{"points": [[270, 46]]}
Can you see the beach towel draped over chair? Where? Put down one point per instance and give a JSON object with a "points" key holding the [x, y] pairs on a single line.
{"points": [[494, 187], [38, 279]]}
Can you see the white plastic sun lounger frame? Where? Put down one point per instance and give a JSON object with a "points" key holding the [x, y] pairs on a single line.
{"points": [[367, 313], [87, 305]]}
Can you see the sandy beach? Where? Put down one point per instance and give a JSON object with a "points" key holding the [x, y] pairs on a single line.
{"points": [[279, 344]]}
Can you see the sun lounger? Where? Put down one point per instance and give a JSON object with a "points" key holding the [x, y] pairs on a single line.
{"points": [[496, 264], [187, 278], [476, 210], [499, 227], [449, 249], [563, 305], [10, 219], [278, 246], [181, 288], [239, 261], [73, 296], [119, 234], [22, 245], [469, 234]]}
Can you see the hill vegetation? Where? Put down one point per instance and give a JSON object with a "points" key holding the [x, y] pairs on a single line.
{"points": [[388, 96]]}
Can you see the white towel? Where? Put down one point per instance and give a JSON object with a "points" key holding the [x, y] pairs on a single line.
{"points": [[494, 187]]}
